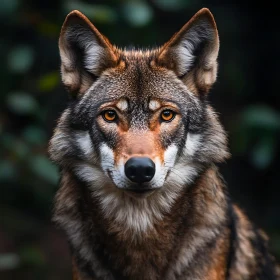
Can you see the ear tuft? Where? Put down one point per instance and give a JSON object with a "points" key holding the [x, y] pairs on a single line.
{"points": [[192, 52], [84, 52]]}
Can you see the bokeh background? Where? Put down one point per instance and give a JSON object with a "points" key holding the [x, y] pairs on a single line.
{"points": [[32, 97]]}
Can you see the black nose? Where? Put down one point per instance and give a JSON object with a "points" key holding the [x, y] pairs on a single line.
{"points": [[140, 169]]}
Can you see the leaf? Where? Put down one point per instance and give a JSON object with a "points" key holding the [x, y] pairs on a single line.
{"points": [[20, 149], [20, 59], [17, 148], [49, 81], [263, 153], [9, 261], [7, 140], [261, 116], [137, 13], [34, 135], [8, 7], [256, 123], [43, 168], [21, 103], [7, 171], [173, 4]]}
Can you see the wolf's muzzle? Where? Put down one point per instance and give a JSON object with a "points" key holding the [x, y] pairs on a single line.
{"points": [[140, 169]]}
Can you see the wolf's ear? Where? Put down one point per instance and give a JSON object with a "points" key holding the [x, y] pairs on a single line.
{"points": [[84, 53], [192, 52]]}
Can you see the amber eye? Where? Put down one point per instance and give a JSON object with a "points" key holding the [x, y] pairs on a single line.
{"points": [[167, 115], [109, 115]]}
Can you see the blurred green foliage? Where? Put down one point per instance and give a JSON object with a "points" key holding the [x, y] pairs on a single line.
{"points": [[32, 98]]}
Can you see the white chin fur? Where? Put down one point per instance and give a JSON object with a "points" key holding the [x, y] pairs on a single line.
{"points": [[139, 215], [184, 171]]}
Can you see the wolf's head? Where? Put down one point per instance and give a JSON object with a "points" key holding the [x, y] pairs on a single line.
{"points": [[139, 122]]}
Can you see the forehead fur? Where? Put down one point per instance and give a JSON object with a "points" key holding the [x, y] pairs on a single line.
{"points": [[138, 78]]}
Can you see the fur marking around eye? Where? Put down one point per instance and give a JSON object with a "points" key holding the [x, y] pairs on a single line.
{"points": [[122, 105], [154, 105]]}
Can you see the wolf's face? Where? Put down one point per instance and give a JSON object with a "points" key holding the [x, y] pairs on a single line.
{"points": [[139, 121]]}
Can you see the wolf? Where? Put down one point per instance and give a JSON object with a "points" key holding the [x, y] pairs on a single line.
{"points": [[140, 193]]}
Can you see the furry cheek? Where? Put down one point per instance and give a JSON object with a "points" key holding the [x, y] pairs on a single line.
{"points": [[116, 173], [163, 168], [192, 144], [185, 170], [85, 145]]}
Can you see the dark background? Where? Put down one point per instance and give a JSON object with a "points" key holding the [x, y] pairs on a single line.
{"points": [[246, 95]]}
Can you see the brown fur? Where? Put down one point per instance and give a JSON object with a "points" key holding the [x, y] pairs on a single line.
{"points": [[80, 82], [167, 236], [187, 227]]}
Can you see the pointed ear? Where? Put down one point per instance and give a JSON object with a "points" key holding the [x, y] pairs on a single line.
{"points": [[84, 53], [192, 52]]}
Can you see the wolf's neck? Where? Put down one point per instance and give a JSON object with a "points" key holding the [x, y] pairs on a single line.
{"points": [[194, 215]]}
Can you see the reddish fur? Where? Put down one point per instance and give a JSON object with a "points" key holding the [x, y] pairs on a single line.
{"points": [[199, 219], [74, 15], [131, 145]]}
